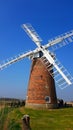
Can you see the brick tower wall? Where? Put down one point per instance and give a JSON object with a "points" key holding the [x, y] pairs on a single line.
{"points": [[41, 84]]}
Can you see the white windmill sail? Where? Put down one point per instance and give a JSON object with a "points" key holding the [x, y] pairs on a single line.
{"points": [[16, 59], [60, 41], [19, 57], [59, 80], [59, 73], [32, 33], [52, 61]]}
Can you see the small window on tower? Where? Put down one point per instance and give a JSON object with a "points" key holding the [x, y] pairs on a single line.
{"points": [[47, 99], [41, 76]]}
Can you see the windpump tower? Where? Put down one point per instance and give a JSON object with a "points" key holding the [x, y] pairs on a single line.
{"points": [[41, 91], [46, 70]]}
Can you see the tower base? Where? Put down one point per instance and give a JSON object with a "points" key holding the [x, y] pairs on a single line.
{"points": [[41, 106]]}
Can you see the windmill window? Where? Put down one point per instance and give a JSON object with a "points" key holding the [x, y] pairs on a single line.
{"points": [[47, 99], [41, 76]]}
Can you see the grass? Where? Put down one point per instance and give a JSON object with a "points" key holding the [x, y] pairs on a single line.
{"points": [[57, 119], [3, 114], [13, 125], [60, 119]]}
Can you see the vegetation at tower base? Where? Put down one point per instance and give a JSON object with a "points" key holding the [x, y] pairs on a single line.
{"points": [[57, 119], [11, 102]]}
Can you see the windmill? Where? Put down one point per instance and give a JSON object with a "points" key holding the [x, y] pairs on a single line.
{"points": [[46, 70]]}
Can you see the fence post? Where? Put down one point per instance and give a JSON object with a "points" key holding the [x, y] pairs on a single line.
{"points": [[26, 122]]}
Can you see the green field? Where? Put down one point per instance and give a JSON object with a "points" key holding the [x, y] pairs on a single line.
{"points": [[57, 119]]}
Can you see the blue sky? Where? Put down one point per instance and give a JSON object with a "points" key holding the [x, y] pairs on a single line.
{"points": [[49, 18]]}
